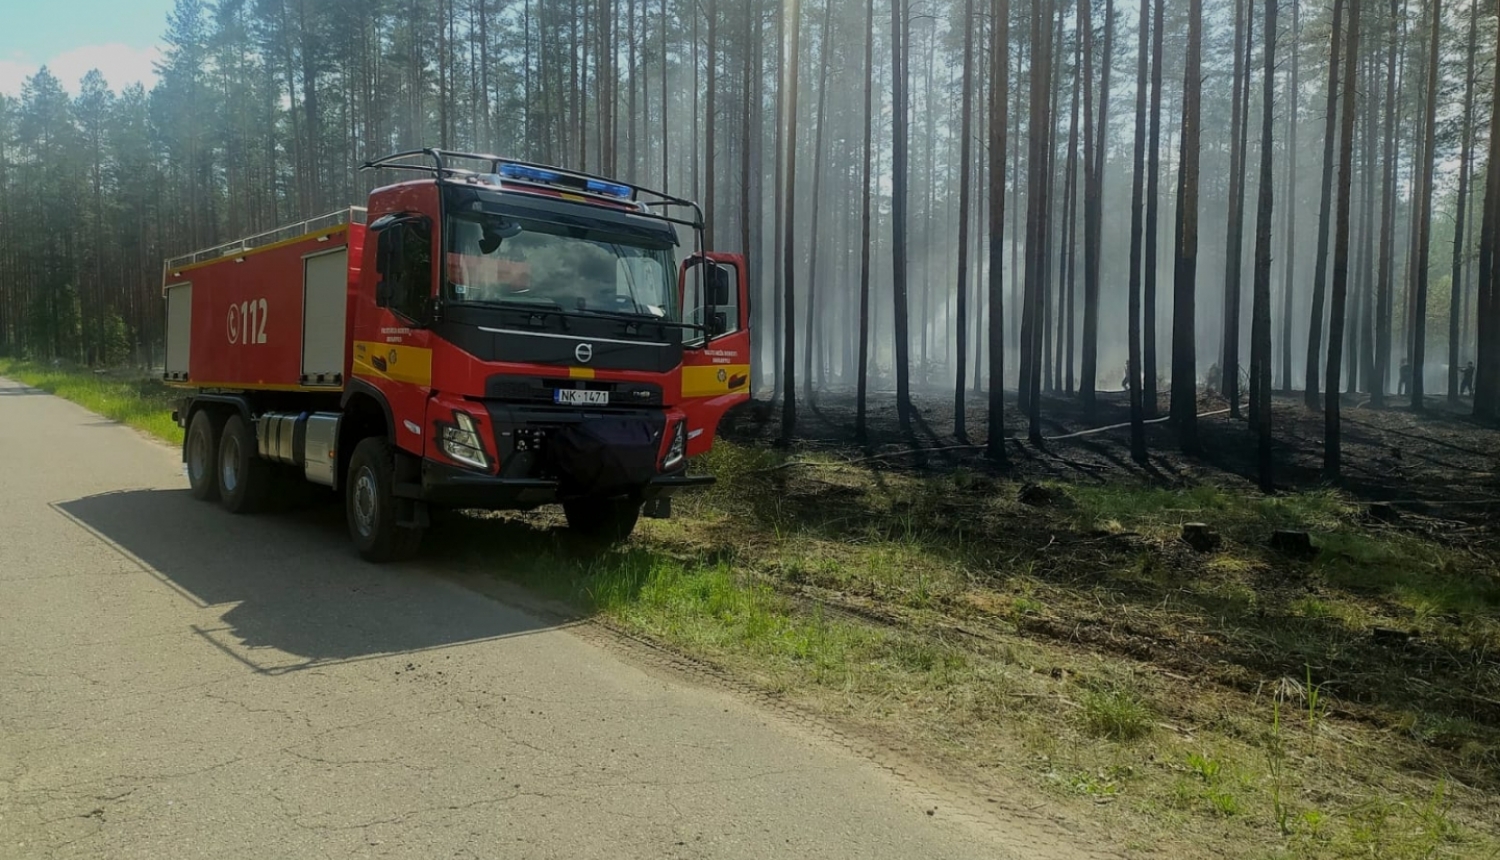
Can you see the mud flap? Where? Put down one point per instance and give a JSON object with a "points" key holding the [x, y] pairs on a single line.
{"points": [[658, 509]]}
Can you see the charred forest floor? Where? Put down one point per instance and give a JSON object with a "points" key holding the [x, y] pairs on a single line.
{"points": [[1040, 635], [1440, 458]]}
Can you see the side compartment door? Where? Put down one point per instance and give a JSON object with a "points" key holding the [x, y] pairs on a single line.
{"points": [[179, 331], [325, 287], [716, 362]]}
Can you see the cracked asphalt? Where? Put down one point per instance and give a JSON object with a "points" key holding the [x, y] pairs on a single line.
{"points": [[176, 682]]}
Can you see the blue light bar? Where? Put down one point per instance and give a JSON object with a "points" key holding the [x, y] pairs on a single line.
{"points": [[528, 174], [612, 189]]}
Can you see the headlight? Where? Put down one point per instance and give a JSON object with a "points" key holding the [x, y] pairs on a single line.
{"points": [[678, 449], [460, 441]]}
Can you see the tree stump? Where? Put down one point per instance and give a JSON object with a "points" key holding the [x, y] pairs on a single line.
{"points": [[1293, 543], [1390, 636], [1200, 536], [1037, 496]]}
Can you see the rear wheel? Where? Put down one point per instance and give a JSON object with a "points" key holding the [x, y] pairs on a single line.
{"points": [[244, 478], [602, 520], [370, 505], [200, 449]]}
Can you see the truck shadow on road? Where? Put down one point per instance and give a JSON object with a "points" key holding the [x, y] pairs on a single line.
{"points": [[293, 593]]}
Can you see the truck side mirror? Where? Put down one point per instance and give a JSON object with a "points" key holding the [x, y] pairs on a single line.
{"points": [[718, 286]]}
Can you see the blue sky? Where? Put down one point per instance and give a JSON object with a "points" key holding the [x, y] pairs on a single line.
{"points": [[120, 37]]}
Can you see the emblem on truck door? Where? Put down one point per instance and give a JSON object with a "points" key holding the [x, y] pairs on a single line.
{"points": [[584, 352]]}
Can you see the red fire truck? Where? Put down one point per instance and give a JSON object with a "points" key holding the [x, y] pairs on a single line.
{"points": [[488, 333]]}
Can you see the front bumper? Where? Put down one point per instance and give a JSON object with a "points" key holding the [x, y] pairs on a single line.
{"points": [[452, 487]]}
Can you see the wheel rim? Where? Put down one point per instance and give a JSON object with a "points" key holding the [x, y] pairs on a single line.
{"points": [[229, 464], [364, 502], [198, 458]]}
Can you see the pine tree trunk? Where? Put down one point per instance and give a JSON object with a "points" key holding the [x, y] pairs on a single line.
{"points": [[710, 117], [1424, 212], [1384, 278], [789, 225], [748, 132], [864, 229], [810, 337], [665, 137], [1137, 191], [1487, 302], [631, 114], [1051, 305], [966, 125], [1260, 326], [778, 182], [999, 104], [1033, 321], [1092, 214], [694, 185], [1229, 357], [1068, 264], [1331, 422], [1091, 288], [1289, 278], [1358, 342], [1325, 213], [899, 147], [1185, 274], [1456, 292], [1018, 110], [1368, 270], [1153, 217]]}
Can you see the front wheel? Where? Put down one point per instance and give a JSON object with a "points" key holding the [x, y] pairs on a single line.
{"points": [[370, 505], [602, 520]]}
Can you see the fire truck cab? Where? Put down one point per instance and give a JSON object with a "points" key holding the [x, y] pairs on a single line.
{"points": [[488, 333]]}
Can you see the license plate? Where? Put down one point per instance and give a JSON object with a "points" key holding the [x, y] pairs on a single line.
{"points": [[574, 397]]}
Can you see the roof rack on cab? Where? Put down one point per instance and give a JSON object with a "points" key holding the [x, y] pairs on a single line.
{"points": [[504, 171]]}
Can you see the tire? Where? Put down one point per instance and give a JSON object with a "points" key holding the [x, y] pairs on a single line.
{"points": [[602, 521], [244, 478], [370, 505], [200, 454]]}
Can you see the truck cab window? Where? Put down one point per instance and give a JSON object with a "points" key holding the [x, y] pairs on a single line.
{"points": [[409, 272]]}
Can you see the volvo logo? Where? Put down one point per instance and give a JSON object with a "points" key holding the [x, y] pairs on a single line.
{"points": [[584, 352]]}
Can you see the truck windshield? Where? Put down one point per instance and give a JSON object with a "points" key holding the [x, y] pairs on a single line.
{"points": [[494, 259]]}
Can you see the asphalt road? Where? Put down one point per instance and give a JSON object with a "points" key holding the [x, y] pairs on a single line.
{"points": [[176, 682]]}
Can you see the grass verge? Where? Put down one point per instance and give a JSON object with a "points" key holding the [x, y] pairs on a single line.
{"points": [[1239, 703], [127, 397]]}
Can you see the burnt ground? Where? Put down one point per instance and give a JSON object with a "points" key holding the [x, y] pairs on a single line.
{"points": [[1441, 463]]}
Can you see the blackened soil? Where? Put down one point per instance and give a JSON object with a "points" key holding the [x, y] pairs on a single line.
{"points": [[1439, 463]]}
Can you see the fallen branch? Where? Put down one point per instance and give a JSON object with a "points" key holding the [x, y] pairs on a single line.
{"points": [[1495, 501], [1161, 420]]}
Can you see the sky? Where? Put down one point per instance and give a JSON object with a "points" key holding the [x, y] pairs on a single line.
{"points": [[121, 38]]}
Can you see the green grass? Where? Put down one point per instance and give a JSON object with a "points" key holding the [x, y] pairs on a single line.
{"points": [[1118, 715], [1239, 515], [133, 400]]}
